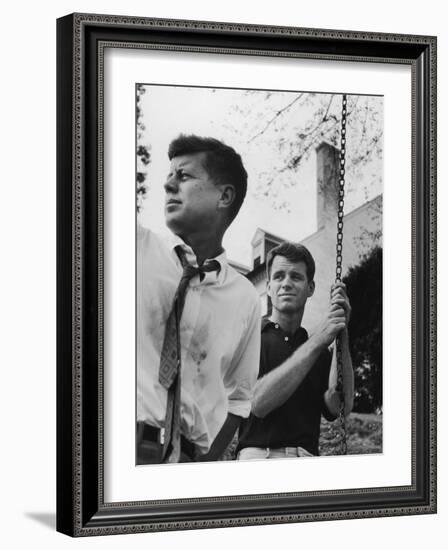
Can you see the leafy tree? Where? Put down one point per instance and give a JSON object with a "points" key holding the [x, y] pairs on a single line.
{"points": [[364, 287], [143, 150], [289, 126]]}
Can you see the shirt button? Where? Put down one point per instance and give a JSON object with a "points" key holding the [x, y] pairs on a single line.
{"points": [[286, 338], [276, 325]]}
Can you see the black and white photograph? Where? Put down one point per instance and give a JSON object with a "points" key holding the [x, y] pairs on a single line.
{"points": [[222, 242], [246, 275], [259, 274]]}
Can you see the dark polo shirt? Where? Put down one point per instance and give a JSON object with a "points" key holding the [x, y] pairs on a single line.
{"points": [[296, 423]]}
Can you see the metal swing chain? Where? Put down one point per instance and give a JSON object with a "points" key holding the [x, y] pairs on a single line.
{"points": [[340, 236]]}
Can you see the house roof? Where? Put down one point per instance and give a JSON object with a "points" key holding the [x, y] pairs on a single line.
{"points": [[266, 234]]}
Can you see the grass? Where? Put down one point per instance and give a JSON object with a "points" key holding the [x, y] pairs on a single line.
{"points": [[364, 435]]}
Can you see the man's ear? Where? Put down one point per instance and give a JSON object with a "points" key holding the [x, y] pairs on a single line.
{"points": [[227, 197], [311, 288], [268, 288]]}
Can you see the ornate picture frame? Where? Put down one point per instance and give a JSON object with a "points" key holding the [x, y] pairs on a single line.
{"points": [[81, 506]]}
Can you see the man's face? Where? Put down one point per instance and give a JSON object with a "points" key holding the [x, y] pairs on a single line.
{"points": [[191, 201], [288, 286]]}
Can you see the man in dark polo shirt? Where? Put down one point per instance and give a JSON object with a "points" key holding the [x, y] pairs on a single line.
{"points": [[298, 374]]}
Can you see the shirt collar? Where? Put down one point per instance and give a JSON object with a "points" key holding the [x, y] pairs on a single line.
{"points": [[174, 241], [266, 323]]}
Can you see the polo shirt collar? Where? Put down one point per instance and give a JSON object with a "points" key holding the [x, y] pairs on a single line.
{"points": [[266, 323]]}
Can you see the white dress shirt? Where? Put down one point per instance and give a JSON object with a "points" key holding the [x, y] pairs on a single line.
{"points": [[220, 339]]}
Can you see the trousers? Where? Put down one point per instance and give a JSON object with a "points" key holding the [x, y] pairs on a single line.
{"points": [[150, 452], [254, 453]]}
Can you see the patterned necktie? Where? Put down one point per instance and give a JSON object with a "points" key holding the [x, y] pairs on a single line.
{"points": [[170, 358]]}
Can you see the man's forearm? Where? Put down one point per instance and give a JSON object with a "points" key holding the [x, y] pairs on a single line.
{"points": [[273, 389], [223, 438], [332, 398]]}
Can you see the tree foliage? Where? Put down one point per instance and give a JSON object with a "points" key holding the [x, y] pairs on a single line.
{"points": [[143, 149], [364, 287], [289, 126]]}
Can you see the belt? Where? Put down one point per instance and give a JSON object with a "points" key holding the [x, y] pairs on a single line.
{"points": [[151, 433]]}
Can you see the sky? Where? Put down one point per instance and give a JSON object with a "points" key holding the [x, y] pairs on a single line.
{"points": [[288, 207]]}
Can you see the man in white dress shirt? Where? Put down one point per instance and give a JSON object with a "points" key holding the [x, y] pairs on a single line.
{"points": [[220, 323]]}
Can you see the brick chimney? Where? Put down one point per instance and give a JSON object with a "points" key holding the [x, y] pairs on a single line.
{"points": [[327, 157]]}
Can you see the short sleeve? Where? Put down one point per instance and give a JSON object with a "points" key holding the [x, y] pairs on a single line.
{"points": [[241, 378]]}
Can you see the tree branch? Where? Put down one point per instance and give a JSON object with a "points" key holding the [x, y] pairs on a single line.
{"points": [[274, 118]]}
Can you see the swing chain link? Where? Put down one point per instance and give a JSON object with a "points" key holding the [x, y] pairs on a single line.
{"points": [[340, 236]]}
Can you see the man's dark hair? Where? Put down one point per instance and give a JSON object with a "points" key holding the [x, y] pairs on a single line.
{"points": [[293, 252], [222, 162]]}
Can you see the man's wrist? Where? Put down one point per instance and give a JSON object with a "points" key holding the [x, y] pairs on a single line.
{"points": [[316, 343]]}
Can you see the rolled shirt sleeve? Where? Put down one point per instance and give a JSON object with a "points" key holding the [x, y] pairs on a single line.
{"points": [[241, 378]]}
